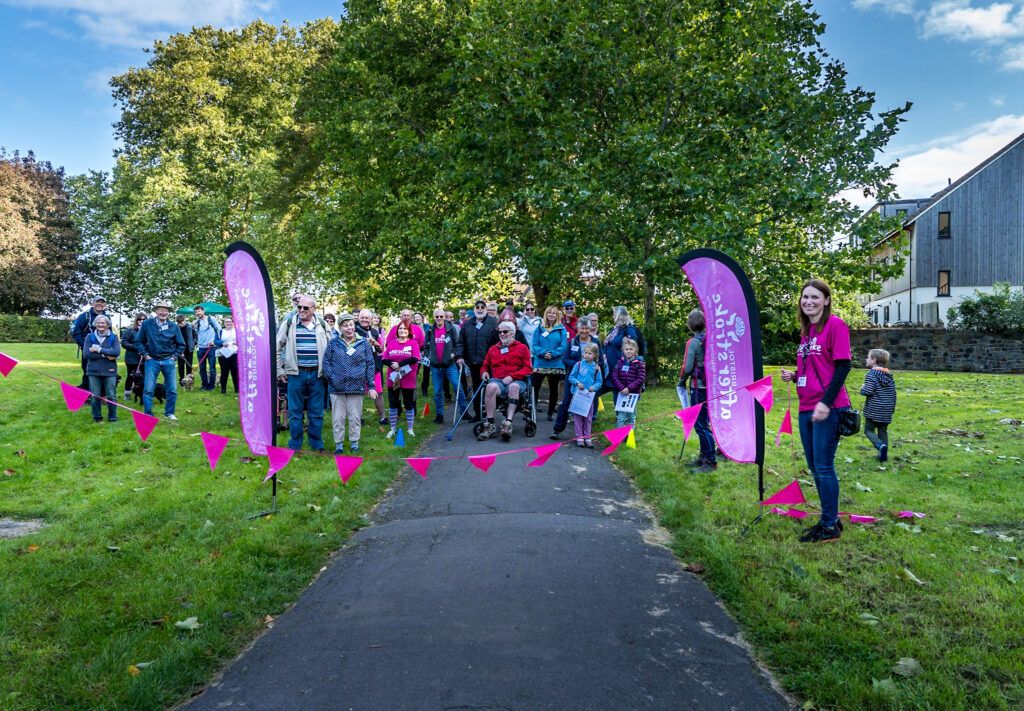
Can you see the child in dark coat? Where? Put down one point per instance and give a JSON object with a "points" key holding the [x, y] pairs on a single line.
{"points": [[880, 389], [628, 377]]}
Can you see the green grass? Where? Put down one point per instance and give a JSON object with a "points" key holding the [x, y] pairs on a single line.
{"points": [[800, 605], [141, 535]]}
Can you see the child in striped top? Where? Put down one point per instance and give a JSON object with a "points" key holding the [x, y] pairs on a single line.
{"points": [[880, 389]]}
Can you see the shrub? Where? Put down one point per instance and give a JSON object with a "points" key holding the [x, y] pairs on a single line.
{"points": [[1000, 312], [32, 329]]}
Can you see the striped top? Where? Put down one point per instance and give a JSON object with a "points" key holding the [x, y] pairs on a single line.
{"points": [[880, 388], [305, 345]]}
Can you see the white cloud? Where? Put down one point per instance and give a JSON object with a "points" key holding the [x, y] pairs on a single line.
{"points": [[958, 20], [894, 7], [998, 100], [920, 174], [1013, 57], [132, 23]]}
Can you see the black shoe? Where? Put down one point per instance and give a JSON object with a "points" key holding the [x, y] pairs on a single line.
{"points": [[382, 421], [111, 419], [550, 418], [819, 534], [474, 418], [698, 462], [706, 468], [438, 419], [883, 453], [555, 436]]}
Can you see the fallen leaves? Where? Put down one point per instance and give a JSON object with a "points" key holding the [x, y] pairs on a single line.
{"points": [[9, 472], [957, 432], [868, 619], [860, 487], [695, 568], [190, 624], [908, 667], [909, 575]]}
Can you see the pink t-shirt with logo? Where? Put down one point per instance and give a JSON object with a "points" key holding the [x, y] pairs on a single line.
{"points": [[397, 352], [815, 363], [440, 334]]}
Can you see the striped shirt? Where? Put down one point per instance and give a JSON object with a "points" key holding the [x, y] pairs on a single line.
{"points": [[880, 388], [305, 345]]}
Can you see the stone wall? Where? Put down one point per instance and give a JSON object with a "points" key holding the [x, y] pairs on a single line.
{"points": [[940, 350]]}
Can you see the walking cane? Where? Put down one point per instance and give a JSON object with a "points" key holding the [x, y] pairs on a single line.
{"points": [[452, 431]]}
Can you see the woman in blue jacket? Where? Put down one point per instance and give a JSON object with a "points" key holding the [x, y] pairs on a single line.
{"points": [[549, 341], [101, 349]]}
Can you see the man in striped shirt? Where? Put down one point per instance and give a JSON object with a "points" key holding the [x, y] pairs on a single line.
{"points": [[301, 342]]}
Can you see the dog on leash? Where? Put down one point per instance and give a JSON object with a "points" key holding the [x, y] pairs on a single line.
{"points": [[159, 392], [188, 381]]}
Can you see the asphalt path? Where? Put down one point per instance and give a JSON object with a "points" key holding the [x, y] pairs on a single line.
{"points": [[522, 588]]}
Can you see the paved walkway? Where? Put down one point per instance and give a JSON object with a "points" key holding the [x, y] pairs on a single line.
{"points": [[517, 589]]}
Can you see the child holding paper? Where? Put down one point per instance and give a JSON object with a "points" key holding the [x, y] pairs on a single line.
{"points": [[628, 377], [585, 378], [880, 388]]}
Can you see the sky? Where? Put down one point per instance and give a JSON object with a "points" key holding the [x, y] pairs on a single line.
{"points": [[961, 63]]}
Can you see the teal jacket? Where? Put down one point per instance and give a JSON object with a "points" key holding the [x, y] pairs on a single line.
{"points": [[549, 340], [587, 374]]}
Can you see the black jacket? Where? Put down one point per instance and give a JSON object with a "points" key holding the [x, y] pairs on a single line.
{"points": [[452, 348], [476, 341], [131, 350]]}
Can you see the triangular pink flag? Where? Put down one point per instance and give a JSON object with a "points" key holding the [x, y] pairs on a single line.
{"points": [[74, 397], [616, 437], [214, 445], [688, 417], [910, 514], [420, 465], [791, 494], [347, 466], [792, 513], [544, 454], [6, 364], [785, 428], [279, 458], [762, 392], [144, 423], [855, 518], [483, 462]]}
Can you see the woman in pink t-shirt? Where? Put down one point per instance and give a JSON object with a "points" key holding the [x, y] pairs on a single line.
{"points": [[822, 364], [402, 352]]}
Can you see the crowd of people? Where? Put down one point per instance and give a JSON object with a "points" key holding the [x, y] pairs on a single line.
{"points": [[487, 360]]}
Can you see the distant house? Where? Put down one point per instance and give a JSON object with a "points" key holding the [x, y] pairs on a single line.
{"points": [[963, 238]]}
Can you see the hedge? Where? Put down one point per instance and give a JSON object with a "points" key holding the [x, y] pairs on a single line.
{"points": [[32, 329]]}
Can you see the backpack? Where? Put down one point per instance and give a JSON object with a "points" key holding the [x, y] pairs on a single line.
{"points": [[218, 342], [698, 363]]}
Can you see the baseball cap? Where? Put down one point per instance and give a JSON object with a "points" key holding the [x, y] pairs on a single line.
{"points": [[569, 303], [98, 298], [480, 303]]}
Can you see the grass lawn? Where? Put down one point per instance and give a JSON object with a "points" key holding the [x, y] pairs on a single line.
{"points": [[141, 535], [834, 620]]}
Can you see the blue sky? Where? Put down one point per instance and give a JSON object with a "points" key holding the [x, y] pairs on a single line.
{"points": [[960, 61]]}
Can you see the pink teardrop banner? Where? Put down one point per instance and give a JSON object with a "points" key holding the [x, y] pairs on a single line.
{"points": [[144, 424], [544, 454], [615, 437], [420, 465], [6, 364], [347, 466], [74, 397], [483, 462], [214, 445], [278, 458], [688, 417], [762, 392]]}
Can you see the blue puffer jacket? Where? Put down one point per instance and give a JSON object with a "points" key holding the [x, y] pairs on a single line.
{"points": [[549, 340], [349, 374], [104, 362]]}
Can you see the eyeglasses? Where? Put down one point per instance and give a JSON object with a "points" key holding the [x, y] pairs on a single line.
{"points": [[530, 308], [305, 308], [570, 308]]}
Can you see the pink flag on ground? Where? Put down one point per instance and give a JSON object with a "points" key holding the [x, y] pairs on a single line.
{"points": [[74, 397], [144, 423], [788, 495], [910, 514], [420, 465], [6, 364], [347, 466], [785, 428], [688, 417], [214, 445], [792, 513], [762, 392], [544, 454], [855, 518], [483, 462], [279, 458], [616, 437]]}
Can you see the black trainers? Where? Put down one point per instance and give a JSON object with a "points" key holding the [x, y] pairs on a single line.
{"points": [[819, 534], [555, 436], [883, 453], [705, 468], [438, 419]]}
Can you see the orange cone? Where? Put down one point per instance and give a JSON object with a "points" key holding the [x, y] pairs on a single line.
{"points": [[426, 409]]}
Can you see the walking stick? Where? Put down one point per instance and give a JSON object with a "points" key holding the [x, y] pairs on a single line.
{"points": [[452, 431]]}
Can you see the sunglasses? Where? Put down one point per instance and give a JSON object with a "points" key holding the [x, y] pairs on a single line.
{"points": [[506, 333], [530, 308], [305, 308], [570, 308]]}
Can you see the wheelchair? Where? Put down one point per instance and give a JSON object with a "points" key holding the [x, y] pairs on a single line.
{"points": [[527, 408]]}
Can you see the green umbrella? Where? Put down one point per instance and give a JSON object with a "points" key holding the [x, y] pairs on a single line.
{"points": [[212, 309]]}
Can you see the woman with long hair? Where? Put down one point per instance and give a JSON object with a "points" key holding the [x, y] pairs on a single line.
{"points": [[549, 343]]}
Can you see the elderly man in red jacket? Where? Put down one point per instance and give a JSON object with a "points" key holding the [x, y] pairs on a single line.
{"points": [[506, 367]]}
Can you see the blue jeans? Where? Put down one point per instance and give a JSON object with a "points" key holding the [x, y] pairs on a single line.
{"points": [[820, 441], [169, 369], [451, 374], [207, 367], [305, 394], [703, 425], [103, 386]]}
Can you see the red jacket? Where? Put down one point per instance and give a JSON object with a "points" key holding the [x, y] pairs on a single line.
{"points": [[517, 363]]}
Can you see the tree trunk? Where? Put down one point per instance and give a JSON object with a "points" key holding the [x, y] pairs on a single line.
{"points": [[650, 331], [541, 291]]}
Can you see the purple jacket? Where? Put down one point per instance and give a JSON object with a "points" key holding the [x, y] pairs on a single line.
{"points": [[633, 379]]}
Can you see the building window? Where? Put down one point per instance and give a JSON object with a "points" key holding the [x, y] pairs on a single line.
{"points": [[885, 314], [945, 231], [943, 282]]}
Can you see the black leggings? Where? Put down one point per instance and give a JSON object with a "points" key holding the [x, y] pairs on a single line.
{"points": [[399, 396], [553, 380], [228, 365]]}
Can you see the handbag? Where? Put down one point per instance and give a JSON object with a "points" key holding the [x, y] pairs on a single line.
{"points": [[849, 422]]}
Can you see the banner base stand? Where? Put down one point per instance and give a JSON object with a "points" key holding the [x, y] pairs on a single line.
{"points": [[273, 502], [753, 523]]}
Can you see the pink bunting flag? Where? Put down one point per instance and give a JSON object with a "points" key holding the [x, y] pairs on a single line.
{"points": [[279, 458], [616, 437], [74, 397], [688, 417], [214, 445], [347, 466], [6, 364], [790, 494], [420, 465], [910, 514], [144, 423], [762, 392], [544, 454], [792, 513], [856, 518], [785, 428], [483, 462]]}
